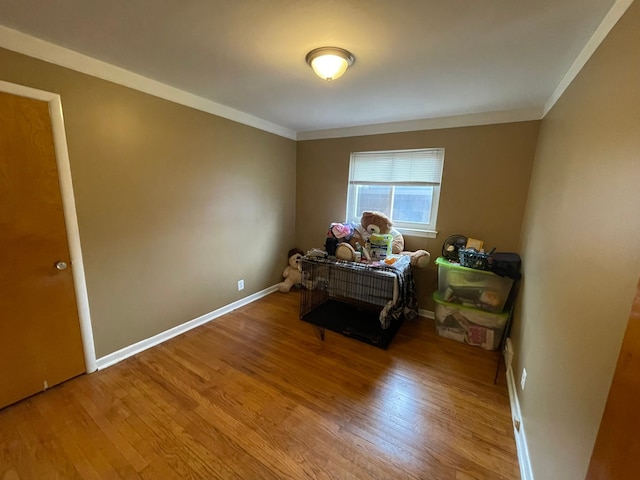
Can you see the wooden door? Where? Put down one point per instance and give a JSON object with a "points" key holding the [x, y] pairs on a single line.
{"points": [[40, 339], [616, 454]]}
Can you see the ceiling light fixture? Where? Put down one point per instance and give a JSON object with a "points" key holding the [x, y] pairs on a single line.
{"points": [[330, 63]]}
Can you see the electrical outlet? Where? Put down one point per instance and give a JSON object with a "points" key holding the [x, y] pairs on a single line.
{"points": [[240, 285], [523, 380]]}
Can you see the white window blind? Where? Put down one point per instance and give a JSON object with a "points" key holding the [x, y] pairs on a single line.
{"points": [[403, 184], [421, 167]]}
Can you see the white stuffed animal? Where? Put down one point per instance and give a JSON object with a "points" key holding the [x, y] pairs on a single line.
{"points": [[293, 273]]}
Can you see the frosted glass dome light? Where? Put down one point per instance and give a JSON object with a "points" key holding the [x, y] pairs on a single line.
{"points": [[330, 63]]}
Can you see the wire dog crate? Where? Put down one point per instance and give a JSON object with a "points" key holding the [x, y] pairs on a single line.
{"points": [[360, 300]]}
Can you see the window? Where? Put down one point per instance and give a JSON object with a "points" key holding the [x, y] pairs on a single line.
{"points": [[404, 184]]}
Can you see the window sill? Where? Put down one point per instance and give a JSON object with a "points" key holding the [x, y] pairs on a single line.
{"points": [[411, 232]]}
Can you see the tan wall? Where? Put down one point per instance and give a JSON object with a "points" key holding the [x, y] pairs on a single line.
{"points": [[483, 194], [174, 205], [581, 254]]}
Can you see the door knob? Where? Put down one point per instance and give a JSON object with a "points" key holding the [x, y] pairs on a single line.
{"points": [[61, 265]]}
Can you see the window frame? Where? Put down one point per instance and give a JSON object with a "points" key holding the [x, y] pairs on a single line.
{"points": [[406, 228]]}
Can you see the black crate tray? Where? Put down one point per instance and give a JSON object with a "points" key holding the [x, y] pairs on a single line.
{"points": [[353, 321]]}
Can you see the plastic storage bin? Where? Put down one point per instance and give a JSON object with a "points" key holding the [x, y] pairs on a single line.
{"points": [[471, 287], [469, 325]]}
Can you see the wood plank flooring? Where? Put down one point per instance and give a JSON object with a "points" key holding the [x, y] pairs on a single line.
{"points": [[256, 395]]}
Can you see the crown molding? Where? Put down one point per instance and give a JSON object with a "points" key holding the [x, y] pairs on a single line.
{"points": [[34, 47], [470, 120]]}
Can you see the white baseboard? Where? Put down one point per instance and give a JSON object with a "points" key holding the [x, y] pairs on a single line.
{"points": [[521, 439], [508, 352], [142, 345], [426, 313]]}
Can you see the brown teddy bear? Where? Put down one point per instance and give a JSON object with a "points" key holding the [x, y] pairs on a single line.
{"points": [[292, 274], [378, 222]]}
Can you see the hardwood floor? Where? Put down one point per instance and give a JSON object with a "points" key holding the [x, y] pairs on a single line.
{"points": [[256, 395]]}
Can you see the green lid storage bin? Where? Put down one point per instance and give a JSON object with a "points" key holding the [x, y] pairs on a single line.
{"points": [[469, 325], [472, 288]]}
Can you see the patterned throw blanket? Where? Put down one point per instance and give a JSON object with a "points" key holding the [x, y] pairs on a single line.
{"points": [[388, 286], [406, 302]]}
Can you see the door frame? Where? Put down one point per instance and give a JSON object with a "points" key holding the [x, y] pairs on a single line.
{"points": [[69, 210]]}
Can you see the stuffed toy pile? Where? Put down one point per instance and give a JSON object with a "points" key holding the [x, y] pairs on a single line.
{"points": [[378, 222]]}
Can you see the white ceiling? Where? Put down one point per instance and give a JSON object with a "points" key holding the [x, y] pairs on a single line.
{"points": [[415, 59]]}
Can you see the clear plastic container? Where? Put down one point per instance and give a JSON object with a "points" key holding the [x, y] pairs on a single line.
{"points": [[472, 288], [469, 325]]}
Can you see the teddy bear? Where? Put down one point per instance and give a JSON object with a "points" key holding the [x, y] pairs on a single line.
{"points": [[377, 222], [293, 273]]}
